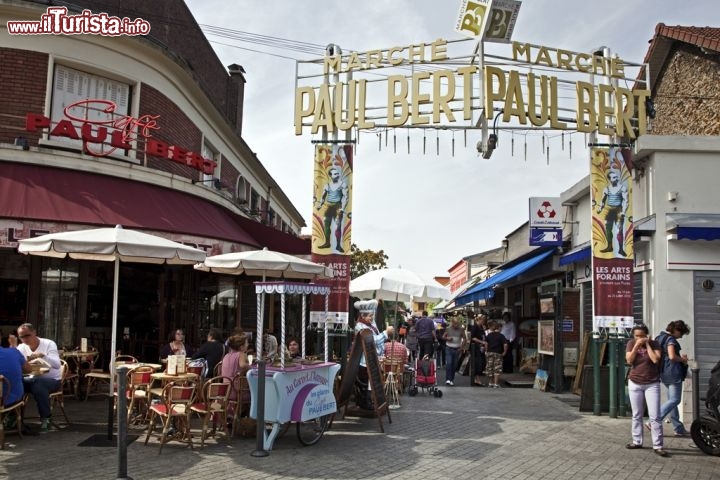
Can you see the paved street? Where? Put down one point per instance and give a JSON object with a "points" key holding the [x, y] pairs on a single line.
{"points": [[510, 433]]}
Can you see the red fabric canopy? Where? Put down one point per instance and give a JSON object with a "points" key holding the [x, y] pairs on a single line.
{"points": [[60, 195]]}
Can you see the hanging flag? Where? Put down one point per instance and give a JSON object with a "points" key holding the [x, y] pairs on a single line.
{"points": [[612, 238]]}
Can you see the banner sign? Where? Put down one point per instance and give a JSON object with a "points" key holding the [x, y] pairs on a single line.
{"points": [[612, 238], [331, 229], [472, 17], [501, 23]]}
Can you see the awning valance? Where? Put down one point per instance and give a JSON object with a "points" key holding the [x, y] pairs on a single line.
{"points": [[693, 226], [577, 254], [40, 193], [484, 290]]}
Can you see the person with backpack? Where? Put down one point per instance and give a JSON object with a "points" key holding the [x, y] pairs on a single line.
{"points": [[673, 368]]}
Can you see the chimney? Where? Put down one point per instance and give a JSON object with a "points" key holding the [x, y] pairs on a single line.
{"points": [[237, 79]]}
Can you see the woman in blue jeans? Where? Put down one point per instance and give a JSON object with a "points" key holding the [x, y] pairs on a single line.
{"points": [[673, 374], [644, 354]]}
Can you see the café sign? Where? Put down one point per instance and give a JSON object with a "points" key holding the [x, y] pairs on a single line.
{"points": [[116, 133]]}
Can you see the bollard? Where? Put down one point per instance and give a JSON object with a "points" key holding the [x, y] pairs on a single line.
{"points": [[612, 373], [696, 392], [622, 407], [596, 372], [122, 425]]}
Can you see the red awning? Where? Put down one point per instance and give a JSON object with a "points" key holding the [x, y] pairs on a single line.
{"points": [[60, 195]]}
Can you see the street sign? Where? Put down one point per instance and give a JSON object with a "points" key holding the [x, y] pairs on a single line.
{"points": [[543, 237]]}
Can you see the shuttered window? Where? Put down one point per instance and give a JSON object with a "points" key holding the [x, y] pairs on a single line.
{"points": [[71, 86]]}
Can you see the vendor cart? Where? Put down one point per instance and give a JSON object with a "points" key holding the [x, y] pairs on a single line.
{"points": [[300, 392]]}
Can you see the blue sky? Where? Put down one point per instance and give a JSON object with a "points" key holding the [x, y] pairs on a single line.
{"points": [[426, 211]]}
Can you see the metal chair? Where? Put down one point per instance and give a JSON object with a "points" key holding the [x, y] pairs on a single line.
{"points": [[174, 405], [214, 405], [16, 407]]}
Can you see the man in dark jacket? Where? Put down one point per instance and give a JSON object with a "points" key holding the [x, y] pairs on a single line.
{"points": [[425, 328], [212, 351]]}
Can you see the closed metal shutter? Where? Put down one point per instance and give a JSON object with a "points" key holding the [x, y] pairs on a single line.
{"points": [[587, 313], [706, 331], [638, 291]]}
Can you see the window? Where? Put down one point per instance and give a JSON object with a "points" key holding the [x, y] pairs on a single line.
{"points": [[254, 201], [271, 217], [71, 86], [211, 154]]}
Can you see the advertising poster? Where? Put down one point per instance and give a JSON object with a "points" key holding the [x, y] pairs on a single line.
{"points": [[612, 238], [332, 227]]}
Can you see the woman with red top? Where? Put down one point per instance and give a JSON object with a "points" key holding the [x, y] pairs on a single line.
{"points": [[644, 387]]}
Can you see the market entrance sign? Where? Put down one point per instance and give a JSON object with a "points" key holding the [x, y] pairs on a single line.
{"points": [[446, 95]]}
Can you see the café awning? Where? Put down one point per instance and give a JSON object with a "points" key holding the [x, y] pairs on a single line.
{"points": [[485, 290]]}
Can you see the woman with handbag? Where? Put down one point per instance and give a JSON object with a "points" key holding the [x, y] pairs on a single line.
{"points": [[674, 370]]}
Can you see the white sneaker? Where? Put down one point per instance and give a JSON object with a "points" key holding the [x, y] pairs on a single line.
{"points": [[448, 382], [451, 383]]}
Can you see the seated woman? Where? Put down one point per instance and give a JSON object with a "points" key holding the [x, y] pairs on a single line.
{"points": [[236, 362], [294, 349], [176, 345]]}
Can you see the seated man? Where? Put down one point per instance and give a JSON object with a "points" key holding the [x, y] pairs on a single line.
{"points": [[12, 367], [43, 350]]}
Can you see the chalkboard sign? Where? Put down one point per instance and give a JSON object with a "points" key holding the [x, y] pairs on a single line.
{"points": [[365, 343], [349, 373], [375, 377]]}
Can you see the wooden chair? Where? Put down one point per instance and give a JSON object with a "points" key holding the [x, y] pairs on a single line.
{"points": [[239, 406], [175, 403], [217, 371], [16, 407], [214, 405], [397, 368], [98, 376], [138, 391], [58, 396]]}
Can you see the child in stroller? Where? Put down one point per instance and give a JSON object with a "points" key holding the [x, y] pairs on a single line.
{"points": [[705, 430], [424, 376]]}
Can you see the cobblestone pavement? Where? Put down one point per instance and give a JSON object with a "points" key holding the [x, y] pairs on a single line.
{"points": [[508, 433]]}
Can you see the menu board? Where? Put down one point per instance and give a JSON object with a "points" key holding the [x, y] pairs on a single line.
{"points": [[365, 343]]}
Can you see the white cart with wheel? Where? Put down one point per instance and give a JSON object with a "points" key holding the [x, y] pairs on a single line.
{"points": [[301, 394], [296, 392]]}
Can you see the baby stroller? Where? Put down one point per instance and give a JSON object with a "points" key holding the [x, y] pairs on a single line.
{"points": [[705, 430], [424, 376]]}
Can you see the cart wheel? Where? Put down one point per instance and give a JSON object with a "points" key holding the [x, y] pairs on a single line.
{"points": [[437, 393], [310, 432], [413, 391], [705, 433]]}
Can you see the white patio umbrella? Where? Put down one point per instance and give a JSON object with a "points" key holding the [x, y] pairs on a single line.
{"points": [[398, 285], [112, 245], [266, 263]]}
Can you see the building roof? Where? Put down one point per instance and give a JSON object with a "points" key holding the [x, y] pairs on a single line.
{"points": [[707, 38]]}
